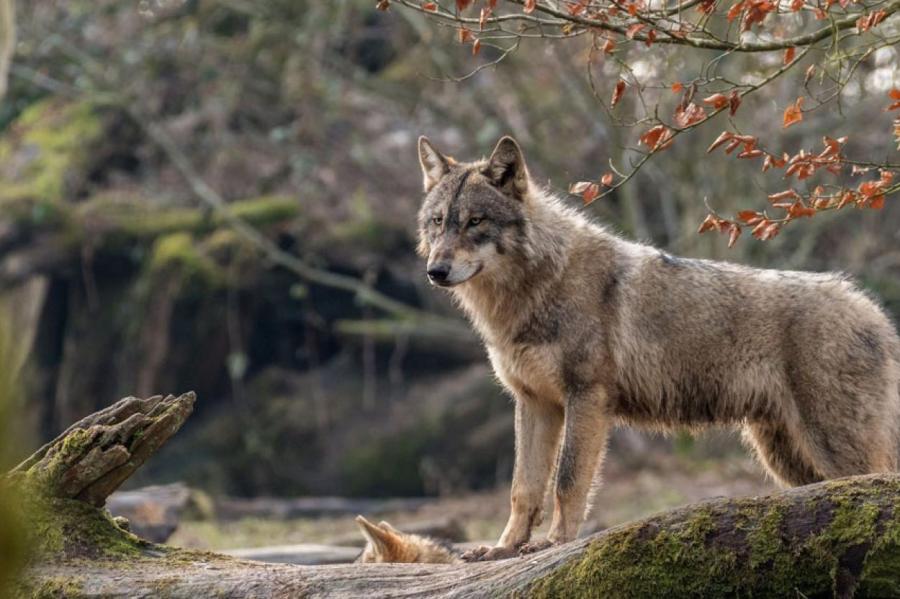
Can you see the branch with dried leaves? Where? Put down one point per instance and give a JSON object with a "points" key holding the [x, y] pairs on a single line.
{"points": [[842, 33]]}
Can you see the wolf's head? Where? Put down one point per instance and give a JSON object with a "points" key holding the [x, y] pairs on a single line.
{"points": [[386, 544], [473, 213]]}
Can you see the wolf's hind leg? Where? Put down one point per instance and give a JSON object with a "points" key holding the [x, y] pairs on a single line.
{"points": [[783, 453], [584, 442], [538, 427]]}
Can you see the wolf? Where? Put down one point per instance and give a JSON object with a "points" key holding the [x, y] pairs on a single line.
{"points": [[386, 544], [587, 330]]}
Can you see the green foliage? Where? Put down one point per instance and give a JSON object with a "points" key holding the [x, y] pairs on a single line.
{"points": [[388, 465], [177, 252], [47, 144]]}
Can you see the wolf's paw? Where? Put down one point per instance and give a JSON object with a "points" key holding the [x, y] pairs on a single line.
{"points": [[535, 546], [486, 554]]}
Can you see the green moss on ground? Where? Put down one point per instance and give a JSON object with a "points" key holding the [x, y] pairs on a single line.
{"points": [[51, 588], [747, 548]]}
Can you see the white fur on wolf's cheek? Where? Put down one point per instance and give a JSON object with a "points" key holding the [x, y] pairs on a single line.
{"points": [[461, 270]]}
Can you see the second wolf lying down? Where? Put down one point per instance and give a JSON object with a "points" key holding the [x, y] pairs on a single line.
{"points": [[588, 330], [385, 544]]}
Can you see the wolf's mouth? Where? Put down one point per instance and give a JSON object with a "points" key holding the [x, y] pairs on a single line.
{"points": [[447, 283]]}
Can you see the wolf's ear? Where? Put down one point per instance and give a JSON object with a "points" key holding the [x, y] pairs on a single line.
{"points": [[387, 526], [506, 168], [434, 164], [385, 543]]}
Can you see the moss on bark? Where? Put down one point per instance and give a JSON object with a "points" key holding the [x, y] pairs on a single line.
{"points": [[47, 148], [844, 541]]}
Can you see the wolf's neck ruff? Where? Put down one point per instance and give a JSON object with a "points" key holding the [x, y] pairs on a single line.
{"points": [[499, 303]]}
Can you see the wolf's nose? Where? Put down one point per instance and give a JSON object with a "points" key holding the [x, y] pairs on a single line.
{"points": [[439, 272]]}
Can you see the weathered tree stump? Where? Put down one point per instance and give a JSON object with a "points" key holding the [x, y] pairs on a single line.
{"points": [[94, 456], [837, 538]]}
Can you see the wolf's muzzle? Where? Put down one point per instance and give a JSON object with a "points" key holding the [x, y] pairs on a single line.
{"points": [[438, 273]]}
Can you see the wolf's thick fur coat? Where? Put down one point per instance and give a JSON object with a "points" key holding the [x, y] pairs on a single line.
{"points": [[588, 330]]}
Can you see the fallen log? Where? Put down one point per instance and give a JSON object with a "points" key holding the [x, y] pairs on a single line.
{"points": [[837, 538], [304, 554]]}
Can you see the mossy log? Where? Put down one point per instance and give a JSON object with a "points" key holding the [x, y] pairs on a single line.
{"points": [[837, 538], [43, 237]]}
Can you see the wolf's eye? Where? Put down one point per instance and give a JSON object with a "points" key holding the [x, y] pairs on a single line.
{"points": [[437, 220], [475, 221]]}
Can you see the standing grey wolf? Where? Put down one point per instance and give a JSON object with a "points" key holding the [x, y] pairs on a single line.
{"points": [[587, 331], [386, 544]]}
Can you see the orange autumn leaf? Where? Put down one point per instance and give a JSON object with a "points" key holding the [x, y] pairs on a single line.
{"points": [[657, 138], [783, 195], [586, 189], [689, 115], [607, 179], [789, 55], [765, 230], [894, 95], [751, 153], [590, 194], [734, 101], [798, 209], [617, 93], [633, 30], [717, 101], [530, 6], [734, 231], [713, 222], [430, 6], [723, 137], [677, 87], [736, 10], [483, 16], [750, 217], [793, 113], [866, 22]]}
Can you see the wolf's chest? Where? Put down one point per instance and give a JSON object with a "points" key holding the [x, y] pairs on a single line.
{"points": [[529, 370]]}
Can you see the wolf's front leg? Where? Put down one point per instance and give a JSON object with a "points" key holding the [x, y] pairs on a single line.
{"points": [[584, 443], [538, 428]]}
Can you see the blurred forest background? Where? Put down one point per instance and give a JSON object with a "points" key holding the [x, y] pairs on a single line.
{"points": [[125, 122]]}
